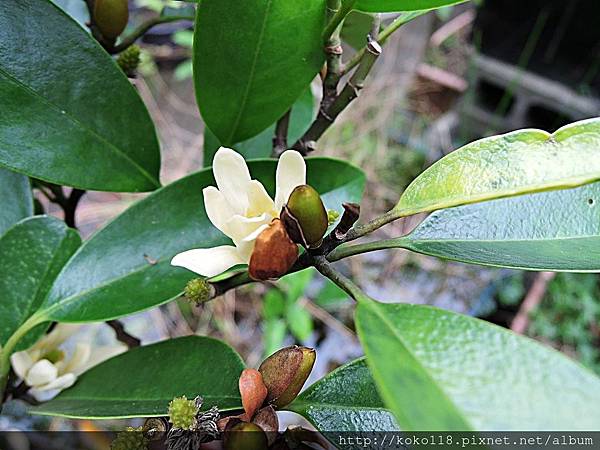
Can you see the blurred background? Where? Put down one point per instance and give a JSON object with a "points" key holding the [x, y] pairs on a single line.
{"points": [[445, 79]]}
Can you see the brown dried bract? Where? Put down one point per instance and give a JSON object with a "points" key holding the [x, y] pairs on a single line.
{"points": [[274, 253], [253, 392]]}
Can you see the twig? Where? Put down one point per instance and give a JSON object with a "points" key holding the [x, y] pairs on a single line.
{"points": [[383, 37], [337, 12], [351, 91], [339, 233], [56, 194], [280, 142], [532, 300], [129, 40], [343, 282], [122, 335]]}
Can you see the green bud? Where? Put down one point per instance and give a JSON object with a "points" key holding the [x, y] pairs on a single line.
{"points": [[130, 439], [182, 412], [332, 216], [111, 17], [198, 291], [129, 59], [245, 436], [285, 372], [309, 221]]}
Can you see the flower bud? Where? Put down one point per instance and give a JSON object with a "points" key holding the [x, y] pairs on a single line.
{"points": [[252, 390], [130, 439], [244, 436], [111, 17], [182, 412], [308, 222], [198, 291], [129, 59], [274, 253], [285, 372]]}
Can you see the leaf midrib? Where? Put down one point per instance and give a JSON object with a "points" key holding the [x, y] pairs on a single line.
{"points": [[92, 132], [496, 241], [246, 94]]}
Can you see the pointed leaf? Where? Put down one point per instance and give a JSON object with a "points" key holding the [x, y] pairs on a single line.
{"points": [[17, 200], [249, 72], [155, 374], [401, 5], [438, 370], [31, 255], [345, 400], [69, 115], [551, 231], [511, 164], [125, 267]]}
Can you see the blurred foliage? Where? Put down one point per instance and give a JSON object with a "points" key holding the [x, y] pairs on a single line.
{"points": [[569, 315], [283, 311]]}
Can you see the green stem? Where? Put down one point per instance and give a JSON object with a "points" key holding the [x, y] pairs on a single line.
{"points": [[129, 40], [345, 251], [384, 36], [339, 14], [375, 224], [343, 282], [10, 346]]}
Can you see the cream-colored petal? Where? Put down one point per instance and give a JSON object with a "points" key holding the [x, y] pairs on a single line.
{"points": [[291, 172], [100, 354], [21, 363], [80, 356], [217, 208], [246, 246], [240, 227], [232, 177], [208, 261], [63, 382], [56, 337], [41, 373], [259, 201]]}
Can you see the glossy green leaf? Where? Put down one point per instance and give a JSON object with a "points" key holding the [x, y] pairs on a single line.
{"points": [[17, 200], [142, 382], [261, 145], [438, 370], [511, 164], [402, 5], [249, 72], [553, 231], [125, 267], [31, 254], [69, 115], [345, 400]]}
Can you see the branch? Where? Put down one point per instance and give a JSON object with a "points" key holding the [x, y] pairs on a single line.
{"points": [[351, 90], [56, 194], [281, 133], [383, 37], [339, 233], [343, 282], [122, 335], [129, 40], [337, 13], [532, 300]]}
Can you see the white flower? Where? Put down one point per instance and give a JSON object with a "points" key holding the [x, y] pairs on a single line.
{"points": [[241, 209], [45, 367]]}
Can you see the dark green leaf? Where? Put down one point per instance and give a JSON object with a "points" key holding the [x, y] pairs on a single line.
{"points": [[402, 5], [261, 145], [125, 267], [142, 382], [345, 400], [439, 370], [249, 72], [511, 164], [553, 231], [31, 254], [17, 201], [69, 115]]}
